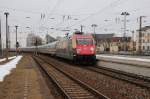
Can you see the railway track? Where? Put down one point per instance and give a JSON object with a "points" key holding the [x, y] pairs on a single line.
{"points": [[138, 80], [70, 87]]}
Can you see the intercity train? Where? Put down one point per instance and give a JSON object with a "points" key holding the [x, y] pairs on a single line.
{"points": [[77, 47]]}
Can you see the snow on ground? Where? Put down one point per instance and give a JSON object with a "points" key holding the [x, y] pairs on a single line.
{"points": [[6, 68], [1, 60], [125, 58]]}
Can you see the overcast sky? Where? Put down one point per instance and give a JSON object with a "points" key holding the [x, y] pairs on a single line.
{"points": [[70, 14]]}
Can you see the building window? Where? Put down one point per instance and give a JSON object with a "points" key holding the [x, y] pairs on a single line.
{"points": [[143, 47], [142, 34], [147, 47], [143, 41]]}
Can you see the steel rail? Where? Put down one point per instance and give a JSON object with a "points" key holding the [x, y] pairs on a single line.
{"points": [[84, 85], [65, 95], [121, 75]]}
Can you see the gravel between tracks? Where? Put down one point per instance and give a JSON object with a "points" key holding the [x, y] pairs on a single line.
{"points": [[113, 88]]}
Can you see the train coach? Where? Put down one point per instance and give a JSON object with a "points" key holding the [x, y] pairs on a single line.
{"points": [[49, 48]]}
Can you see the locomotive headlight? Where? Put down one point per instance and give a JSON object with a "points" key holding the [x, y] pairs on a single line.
{"points": [[92, 49], [78, 50]]}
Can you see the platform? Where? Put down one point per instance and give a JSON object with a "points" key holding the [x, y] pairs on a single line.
{"points": [[24, 82], [130, 64]]}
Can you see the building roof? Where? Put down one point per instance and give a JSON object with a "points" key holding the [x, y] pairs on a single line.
{"points": [[110, 38], [103, 36], [145, 28], [120, 39], [114, 39], [82, 36]]}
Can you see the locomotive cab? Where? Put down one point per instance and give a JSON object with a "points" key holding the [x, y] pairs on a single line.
{"points": [[84, 48]]}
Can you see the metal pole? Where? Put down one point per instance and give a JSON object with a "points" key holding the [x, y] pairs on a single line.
{"points": [[94, 26], [133, 40], [124, 35], [124, 32], [0, 39], [94, 31], [124, 25], [140, 35], [47, 38], [8, 37], [95, 34], [81, 28], [6, 13], [16, 39], [36, 42]]}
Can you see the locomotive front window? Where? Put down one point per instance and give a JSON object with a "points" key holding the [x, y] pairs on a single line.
{"points": [[84, 41]]}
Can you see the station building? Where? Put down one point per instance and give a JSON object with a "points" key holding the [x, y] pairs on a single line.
{"points": [[145, 39], [108, 43]]}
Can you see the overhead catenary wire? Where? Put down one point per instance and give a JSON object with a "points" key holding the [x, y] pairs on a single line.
{"points": [[98, 12], [53, 9], [74, 23], [79, 22], [51, 12], [113, 4], [58, 2], [39, 12]]}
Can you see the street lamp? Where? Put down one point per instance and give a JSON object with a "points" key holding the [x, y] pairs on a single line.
{"points": [[51, 28], [52, 18], [76, 19], [94, 26], [6, 13], [125, 14], [28, 17], [27, 27]]}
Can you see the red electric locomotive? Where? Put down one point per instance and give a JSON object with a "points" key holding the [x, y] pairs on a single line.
{"points": [[79, 48]]}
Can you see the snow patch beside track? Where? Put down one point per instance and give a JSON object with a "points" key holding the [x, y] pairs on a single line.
{"points": [[6, 68], [1, 60]]}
